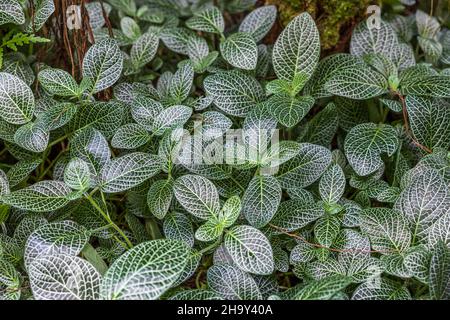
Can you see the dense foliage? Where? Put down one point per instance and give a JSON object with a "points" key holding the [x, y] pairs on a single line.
{"points": [[99, 198]]}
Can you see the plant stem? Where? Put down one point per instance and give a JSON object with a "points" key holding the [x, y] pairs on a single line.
{"points": [[42, 175], [407, 129], [153, 229], [211, 246], [298, 237], [108, 219], [57, 141]]}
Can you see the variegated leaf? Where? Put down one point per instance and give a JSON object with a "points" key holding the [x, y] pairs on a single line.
{"points": [[103, 64], [297, 49]]}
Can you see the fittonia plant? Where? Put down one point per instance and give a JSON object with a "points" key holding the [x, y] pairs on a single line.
{"points": [[99, 198]]}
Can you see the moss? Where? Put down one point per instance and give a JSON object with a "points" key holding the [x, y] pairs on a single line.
{"points": [[333, 17]]}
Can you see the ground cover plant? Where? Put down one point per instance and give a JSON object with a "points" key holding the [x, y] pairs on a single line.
{"points": [[334, 185]]}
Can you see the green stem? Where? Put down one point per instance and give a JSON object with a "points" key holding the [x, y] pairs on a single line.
{"points": [[94, 191], [153, 229], [420, 291], [212, 246], [397, 161], [42, 166], [57, 141], [101, 228], [104, 202], [42, 175], [197, 280], [108, 219]]}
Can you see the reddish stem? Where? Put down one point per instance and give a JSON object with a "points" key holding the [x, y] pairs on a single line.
{"points": [[296, 236]]}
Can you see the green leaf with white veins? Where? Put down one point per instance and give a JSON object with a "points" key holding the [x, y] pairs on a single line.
{"points": [[196, 294], [103, 64], [387, 229], [426, 85], [439, 279], [144, 49], [77, 174], [127, 6], [4, 184], [191, 266], [16, 99], [159, 197], [57, 116], [197, 195], [106, 117], [367, 40], [214, 227], [323, 289], [210, 230], [326, 69], [197, 49], [423, 201], [249, 249], [295, 214], [176, 39], [144, 111], [170, 118], [386, 290], [417, 262], [289, 110], [181, 83], [178, 226], [95, 12], [208, 20], [63, 277], [259, 22], [432, 49], [234, 92], [427, 26], [42, 11], [305, 168], [145, 272], [11, 12], [322, 128], [279, 153], [382, 64], [130, 28], [9, 276], [359, 82], [232, 283], [332, 184], [240, 50], [366, 142], [297, 49], [127, 171], [429, 121], [326, 229], [91, 146], [65, 237], [43, 196], [261, 200], [32, 136], [230, 211], [130, 136], [440, 230], [15, 63], [21, 170], [58, 82]]}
